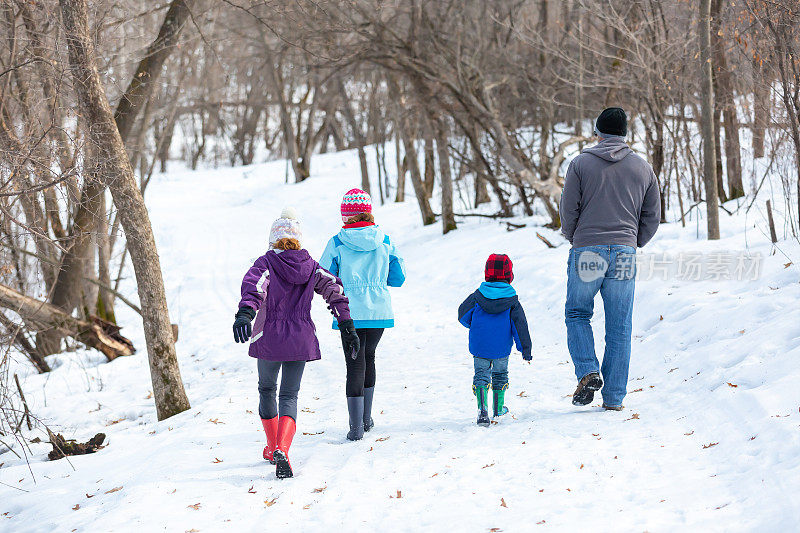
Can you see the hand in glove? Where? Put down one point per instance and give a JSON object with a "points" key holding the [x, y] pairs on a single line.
{"points": [[241, 326], [350, 340], [527, 357]]}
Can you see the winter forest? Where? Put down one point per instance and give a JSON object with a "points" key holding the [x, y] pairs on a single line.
{"points": [[146, 147]]}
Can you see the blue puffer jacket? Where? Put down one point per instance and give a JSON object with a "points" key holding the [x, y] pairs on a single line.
{"points": [[496, 321], [368, 264]]}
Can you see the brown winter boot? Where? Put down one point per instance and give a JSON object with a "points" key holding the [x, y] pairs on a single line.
{"points": [[613, 407], [587, 386], [271, 430], [286, 430]]}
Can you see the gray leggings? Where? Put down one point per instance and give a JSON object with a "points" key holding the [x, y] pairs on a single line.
{"points": [[291, 375]]}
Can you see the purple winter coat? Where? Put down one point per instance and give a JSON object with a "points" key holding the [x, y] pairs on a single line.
{"points": [[279, 287]]}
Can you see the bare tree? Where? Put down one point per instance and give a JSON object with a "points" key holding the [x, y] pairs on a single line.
{"points": [[709, 150], [117, 174]]}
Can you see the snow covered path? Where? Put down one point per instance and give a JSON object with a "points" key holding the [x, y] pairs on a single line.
{"points": [[710, 438]]}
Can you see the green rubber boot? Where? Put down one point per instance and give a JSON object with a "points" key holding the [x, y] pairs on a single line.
{"points": [[499, 400], [483, 410]]}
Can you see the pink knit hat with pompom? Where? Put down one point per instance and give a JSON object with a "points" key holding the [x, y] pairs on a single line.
{"points": [[354, 203]]}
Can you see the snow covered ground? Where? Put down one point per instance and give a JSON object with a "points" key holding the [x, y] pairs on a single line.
{"points": [[709, 439]]}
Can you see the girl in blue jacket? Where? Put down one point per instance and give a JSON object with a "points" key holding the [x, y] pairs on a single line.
{"points": [[367, 262], [496, 322]]}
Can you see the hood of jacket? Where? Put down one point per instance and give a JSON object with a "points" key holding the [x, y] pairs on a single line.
{"points": [[496, 297], [363, 239], [612, 149], [293, 266]]}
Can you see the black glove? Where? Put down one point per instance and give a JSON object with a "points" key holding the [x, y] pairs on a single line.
{"points": [[527, 357], [350, 340], [241, 326]]}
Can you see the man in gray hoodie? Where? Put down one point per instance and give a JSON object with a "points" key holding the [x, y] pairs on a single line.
{"points": [[610, 206]]}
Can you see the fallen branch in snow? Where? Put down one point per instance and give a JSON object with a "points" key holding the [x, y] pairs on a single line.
{"points": [[97, 333], [544, 240], [63, 447], [480, 215]]}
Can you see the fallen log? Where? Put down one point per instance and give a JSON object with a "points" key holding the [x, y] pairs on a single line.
{"points": [[63, 447], [95, 333]]}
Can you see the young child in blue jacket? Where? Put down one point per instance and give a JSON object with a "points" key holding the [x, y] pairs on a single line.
{"points": [[496, 322]]}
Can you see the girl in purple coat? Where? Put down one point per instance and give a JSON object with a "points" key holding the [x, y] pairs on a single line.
{"points": [[277, 291]]}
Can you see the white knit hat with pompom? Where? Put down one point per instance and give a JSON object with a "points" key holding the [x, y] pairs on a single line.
{"points": [[286, 227]]}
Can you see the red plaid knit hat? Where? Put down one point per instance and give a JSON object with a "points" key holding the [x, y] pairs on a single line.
{"points": [[354, 203], [499, 268]]}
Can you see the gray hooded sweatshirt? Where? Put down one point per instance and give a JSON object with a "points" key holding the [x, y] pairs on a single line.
{"points": [[610, 196]]}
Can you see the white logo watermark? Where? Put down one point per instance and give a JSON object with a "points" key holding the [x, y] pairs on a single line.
{"points": [[683, 266], [591, 266]]}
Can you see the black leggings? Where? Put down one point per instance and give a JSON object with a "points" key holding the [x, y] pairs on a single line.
{"points": [[291, 374], [361, 371]]}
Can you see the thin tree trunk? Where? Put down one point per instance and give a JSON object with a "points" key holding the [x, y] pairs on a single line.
{"points": [[412, 161], [718, 147], [150, 67], [430, 172], [400, 163], [105, 299], [445, 175], [116, 172], [726, 103], [399, 160], [350, 116], [277, 86], [707, 121], [761, 107], [416, 180]]}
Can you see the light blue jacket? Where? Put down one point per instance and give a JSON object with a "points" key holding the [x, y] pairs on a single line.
{"points": [[368, 264]]}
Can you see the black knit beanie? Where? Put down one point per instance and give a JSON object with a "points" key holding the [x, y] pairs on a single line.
{"points": [[613, 121]]}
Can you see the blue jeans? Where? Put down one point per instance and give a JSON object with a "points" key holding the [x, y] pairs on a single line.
{"points": [[490, 370], [611, 270]]}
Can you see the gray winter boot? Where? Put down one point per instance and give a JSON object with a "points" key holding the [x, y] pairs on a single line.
{"points": [[355, 406], [368, 422]]}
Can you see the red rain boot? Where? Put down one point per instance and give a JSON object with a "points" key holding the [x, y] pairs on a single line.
{"points": [[271, 429], [286, 429]]}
